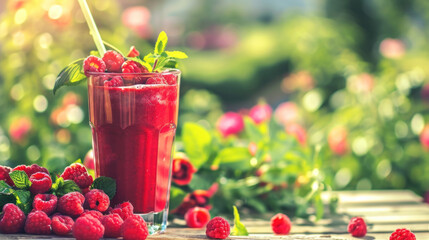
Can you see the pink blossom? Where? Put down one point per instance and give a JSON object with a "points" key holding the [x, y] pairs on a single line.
{"points": [[392, 48], [337, 140], [230, 123], [260, 113], [137, 19], [20, 129], [298, 132], [287, 113], [424, 138]]}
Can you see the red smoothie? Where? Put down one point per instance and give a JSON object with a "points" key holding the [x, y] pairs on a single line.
{"points": [[133, 129]]}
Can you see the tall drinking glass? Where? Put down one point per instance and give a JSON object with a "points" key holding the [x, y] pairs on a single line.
{"points": [[133, 128]]}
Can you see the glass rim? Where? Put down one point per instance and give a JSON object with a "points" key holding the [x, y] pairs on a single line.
{"points": [[174, 71]]}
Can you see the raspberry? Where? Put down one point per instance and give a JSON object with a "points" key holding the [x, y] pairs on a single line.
{"points": [[97, 199], [112, 225], [88, 228], [135, 228], [12, 219], [171, 79], [71, 204], [133, 52], [357, 227], [217, 228], [124, 210], [95, 214], [114, 82], [156, 80], [40, 182], [131, 66], [62, 225], [46, 203], [93, 64], [78, 173], [113, 61], [84, 190], [402, 234], [30, 170], [4, 175], [281, 224], [38, 223], [197, 217]]}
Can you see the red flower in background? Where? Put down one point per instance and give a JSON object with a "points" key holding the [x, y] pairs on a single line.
{"points": [[137, 19], [298, 132], [424, 137], [183, 170], [260, 113], [287, 113], [230, 123], [337, 140], [19, 129], [198, 198], [392, 48]]}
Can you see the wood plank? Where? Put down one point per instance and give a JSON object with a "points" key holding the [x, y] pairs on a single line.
{"points": [[415, 208], [384, 197]]}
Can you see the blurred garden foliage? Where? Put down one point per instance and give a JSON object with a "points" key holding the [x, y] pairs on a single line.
{"points": [[351, 74]]}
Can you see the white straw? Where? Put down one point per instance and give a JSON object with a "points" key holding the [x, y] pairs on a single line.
{"points": [[92, 27]]}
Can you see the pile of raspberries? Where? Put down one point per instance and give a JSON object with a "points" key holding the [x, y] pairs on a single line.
{"points": [[84, 216]]}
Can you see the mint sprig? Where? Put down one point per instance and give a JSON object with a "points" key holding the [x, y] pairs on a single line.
{"points": [[239, 229], [107, 184], [160, 58], [70, 75], [20, 179], [61, 187]]}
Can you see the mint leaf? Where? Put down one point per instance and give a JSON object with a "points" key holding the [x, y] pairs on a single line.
{"points": [[24, 200], [176, 54], [176, 197], [234, 158], [239, 229], [4, 187], [7, 198], [78, 161], [20, 179], [61, 187], [70, 75], [107, 184], [149, 58], [161, 42]]}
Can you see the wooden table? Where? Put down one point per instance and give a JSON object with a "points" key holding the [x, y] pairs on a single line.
{"points": [[383, 211]]}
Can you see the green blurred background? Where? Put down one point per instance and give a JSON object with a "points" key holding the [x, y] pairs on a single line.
{"points": [[356, 71]]}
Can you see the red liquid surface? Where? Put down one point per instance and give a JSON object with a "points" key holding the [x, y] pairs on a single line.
{"points": [[133, 129]]}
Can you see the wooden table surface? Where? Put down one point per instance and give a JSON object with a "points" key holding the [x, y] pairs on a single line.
{"points": [[383, 211]]}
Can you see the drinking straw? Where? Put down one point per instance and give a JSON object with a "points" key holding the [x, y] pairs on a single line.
{"points": [[92, 27]]}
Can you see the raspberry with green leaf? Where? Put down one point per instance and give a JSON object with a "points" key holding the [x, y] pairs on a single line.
{"points": [[93, 64], [78, 173]]}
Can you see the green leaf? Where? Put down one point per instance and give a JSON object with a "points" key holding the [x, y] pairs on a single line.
{"points": [[176, 54], [176, 197], [318, 205], [24, 200], [239, 229], [94, 53], [145, 64], [62, 187], [20, 179], [107, 184], [78, 161], [149, 58], [4, 187], [161, 42], [6, 198], [252, 131], [234, 158], [197, 143], [70, 75]]}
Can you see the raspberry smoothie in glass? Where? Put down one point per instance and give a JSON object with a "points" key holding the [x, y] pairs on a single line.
{"points": [[133, 117]]}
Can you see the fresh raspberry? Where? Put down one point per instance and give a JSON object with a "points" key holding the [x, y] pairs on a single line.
{"points": [[114, 82], [133, 52], [402, 234], [12, 219], [84, 190], [88, 228], [112, 225], [156, 80], [78, 173], [62, 225], [134, 228], [197, 217], [4, 175], [131, 66], [218, 228], [171, 79], [71, 204], [40, 183], [113, 61], [97, 199], [93, 64], [357, 227], [46, 203], [95, 214], [30, 170], [281, 224], [38, 223], [124, 210]]}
